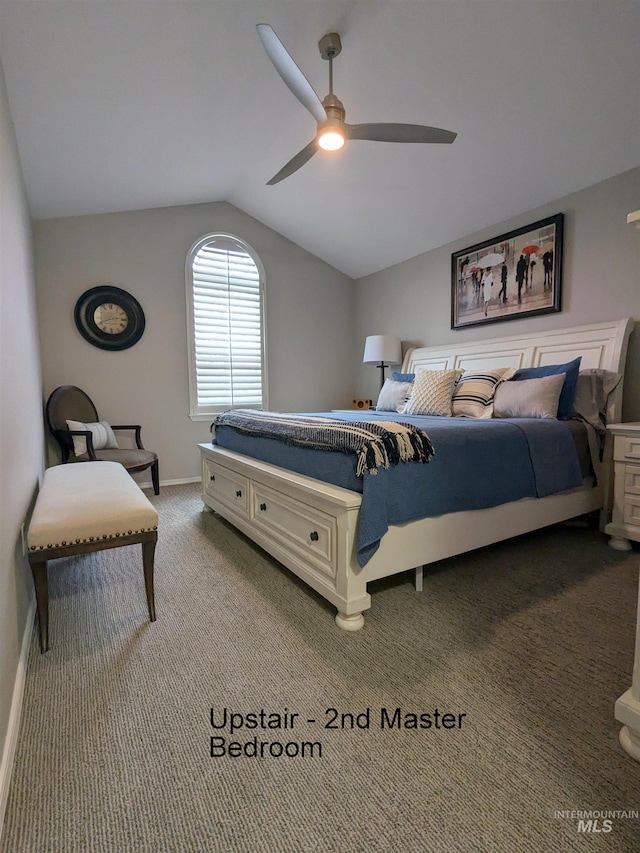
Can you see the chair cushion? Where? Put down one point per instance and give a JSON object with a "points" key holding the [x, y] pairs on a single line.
{"points": [[130, 457], [87, 503]]}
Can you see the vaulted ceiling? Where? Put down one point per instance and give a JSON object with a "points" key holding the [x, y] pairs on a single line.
{"points": [[146, 103]]}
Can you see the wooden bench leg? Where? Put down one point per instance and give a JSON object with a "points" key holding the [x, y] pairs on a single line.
{"points": [[148, 551], [39, 571]]}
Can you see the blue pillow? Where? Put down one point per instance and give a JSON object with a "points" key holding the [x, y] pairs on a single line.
{"points": [[568, 393], [403, 377]]}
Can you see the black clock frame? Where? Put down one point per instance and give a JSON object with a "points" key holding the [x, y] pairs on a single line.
{"points": [[94, 297]]}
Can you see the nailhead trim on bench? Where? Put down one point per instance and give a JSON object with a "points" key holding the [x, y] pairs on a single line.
{"points": [[104, 536]]}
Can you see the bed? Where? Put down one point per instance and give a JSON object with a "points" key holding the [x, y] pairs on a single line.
{"points": [[315, 527]]}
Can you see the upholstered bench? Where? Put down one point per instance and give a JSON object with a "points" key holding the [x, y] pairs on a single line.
{"points": [[88, 507]]}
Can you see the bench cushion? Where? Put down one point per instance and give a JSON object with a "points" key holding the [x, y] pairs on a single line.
{"points": [[88, 502]]}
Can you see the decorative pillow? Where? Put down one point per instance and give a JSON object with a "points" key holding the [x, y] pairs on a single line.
{"points": [[102, 434], [432, 393], [529, 398], [393, 395], [567, 396], [592, 390], [473, 395], [403, 377]]}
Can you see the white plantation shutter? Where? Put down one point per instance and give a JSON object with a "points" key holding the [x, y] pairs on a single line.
{"points": [[225, 296]]}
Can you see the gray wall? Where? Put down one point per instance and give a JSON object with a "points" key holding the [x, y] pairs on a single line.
{"points": [[309, 311], [21, 430], [601, 281]]}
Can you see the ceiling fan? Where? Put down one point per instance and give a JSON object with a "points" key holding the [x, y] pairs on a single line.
{"points": [[333, 130]]}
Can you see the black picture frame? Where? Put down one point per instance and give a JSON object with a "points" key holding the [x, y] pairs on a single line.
{"points": [[529, 257], [106, 294]]}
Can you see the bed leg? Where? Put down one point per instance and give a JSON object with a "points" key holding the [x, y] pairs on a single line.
{"points": [[349, 622], [419, 570], [619, 544]]}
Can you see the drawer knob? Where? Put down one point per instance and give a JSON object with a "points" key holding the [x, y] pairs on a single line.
{"points": [[239, 493], [212, 477], [314, 536], [263, 507]]}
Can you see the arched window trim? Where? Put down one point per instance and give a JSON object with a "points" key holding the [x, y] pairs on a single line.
{"points": [[198, 412]]}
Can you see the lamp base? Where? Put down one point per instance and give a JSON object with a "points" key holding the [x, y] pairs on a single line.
{"points": [[382, 366]]}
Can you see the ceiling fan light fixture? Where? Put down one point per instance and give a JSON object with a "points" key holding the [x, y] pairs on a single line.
{"points": [[331, 136], [331, 140]]}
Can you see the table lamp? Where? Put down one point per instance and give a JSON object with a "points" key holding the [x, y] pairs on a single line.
{"points": [[382, 350]]}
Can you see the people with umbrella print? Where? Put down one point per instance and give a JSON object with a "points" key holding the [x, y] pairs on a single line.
{"points": [[490, 260], [529, 253], [463, 264], [547, 266], [521, 270], [487, 284], [502, 296], [474, 278]]}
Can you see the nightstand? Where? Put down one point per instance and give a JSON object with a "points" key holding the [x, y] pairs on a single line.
{"points": [[625, 525], [625, 520]]}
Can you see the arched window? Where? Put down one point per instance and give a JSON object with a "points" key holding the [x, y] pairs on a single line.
{"points": [[226, 329]]}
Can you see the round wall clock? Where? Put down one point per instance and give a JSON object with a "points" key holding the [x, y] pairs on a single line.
{"points": [[109, 317]]}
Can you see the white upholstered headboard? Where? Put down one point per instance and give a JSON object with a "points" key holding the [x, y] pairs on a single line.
{"points": [[600, 345]]}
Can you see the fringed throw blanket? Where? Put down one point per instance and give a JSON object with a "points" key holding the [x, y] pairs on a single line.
{"points": [[376, 444]]}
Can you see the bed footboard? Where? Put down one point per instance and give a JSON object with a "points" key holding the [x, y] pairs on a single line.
{"points": [[308, 526]]}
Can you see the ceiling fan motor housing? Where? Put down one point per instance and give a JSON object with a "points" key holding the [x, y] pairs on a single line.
{"points": [[334, 108]]}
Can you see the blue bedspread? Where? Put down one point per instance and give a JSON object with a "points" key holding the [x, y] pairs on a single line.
{"points": [[477, 464]]}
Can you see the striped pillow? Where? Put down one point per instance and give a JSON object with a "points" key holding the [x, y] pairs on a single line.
{"points": [[473, 396], [101, 433]]}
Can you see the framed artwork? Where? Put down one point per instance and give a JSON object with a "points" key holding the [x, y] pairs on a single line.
{"points": [[515, 275]]}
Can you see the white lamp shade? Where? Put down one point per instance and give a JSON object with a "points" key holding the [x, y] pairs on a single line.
{"points": [[382, 349]]}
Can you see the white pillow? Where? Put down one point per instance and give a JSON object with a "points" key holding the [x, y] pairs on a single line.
{"points": [[592, 391], [393, 395], [529, 398], [432, 393], [473, 395], [102, 434]]}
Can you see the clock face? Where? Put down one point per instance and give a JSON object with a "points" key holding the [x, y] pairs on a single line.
{"points": [[109, 318]]}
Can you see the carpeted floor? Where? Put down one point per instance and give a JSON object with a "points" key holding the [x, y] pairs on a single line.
{"points": [[531, 640]]}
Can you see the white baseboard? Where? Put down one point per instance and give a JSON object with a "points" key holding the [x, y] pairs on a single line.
{"points": [[11, 741], [180, 482]]}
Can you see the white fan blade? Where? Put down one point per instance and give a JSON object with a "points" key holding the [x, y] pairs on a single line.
{"points": [[399, 133], [290, 73], [295, 163]]}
